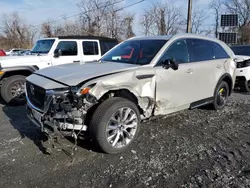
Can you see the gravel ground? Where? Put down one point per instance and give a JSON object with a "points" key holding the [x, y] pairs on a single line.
{"points": [[192, 148]]}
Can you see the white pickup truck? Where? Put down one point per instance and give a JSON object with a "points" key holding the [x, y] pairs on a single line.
{"points": [[48, 52]]}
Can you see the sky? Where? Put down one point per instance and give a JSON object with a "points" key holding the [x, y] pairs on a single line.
{"points": [[35, 12]]}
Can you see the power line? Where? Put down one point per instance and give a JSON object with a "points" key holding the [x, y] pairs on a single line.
{"points": [[119, 9], [74, 15]]}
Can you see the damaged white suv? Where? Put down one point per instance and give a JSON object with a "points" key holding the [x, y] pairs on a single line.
{"points": [[139, 78]]}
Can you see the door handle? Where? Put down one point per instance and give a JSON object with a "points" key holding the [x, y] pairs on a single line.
{"points": [[218, 66], [189, 71], [78, 61]]}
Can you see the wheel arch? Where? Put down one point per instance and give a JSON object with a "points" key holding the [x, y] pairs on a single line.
{"points": [[123, 93], [19, 70], [228, 79]]}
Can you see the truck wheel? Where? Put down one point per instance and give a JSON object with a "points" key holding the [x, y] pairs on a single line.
{"points": [[115, 125], [245, 87], [220, 96], [13, 91]]}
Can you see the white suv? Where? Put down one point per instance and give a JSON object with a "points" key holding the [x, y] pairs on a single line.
{"points": [[139, 78]]}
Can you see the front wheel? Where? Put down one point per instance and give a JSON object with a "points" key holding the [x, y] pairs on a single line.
{"points": [[115, 125], [221, 96], [13, 91]]}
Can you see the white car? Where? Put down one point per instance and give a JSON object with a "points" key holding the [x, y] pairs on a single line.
{"points": [[137, 79], [14, 51], [242, 53]]}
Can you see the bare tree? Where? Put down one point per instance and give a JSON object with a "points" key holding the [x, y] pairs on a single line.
{"points": [[163, 18], [15, 33], [216, 6], [198, 19], [242, 8], [129, 26], [147, 22]]}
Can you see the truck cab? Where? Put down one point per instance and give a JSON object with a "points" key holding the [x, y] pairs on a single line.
{"points": [[45, 53]]}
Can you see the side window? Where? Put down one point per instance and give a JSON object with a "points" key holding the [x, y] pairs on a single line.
{"points": [[90, 48], [106, 46], [219, 52], [68, 48], [201, 50], [177, 51]]}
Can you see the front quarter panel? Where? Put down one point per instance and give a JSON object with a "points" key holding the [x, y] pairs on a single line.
{"points": [[140, 82]]}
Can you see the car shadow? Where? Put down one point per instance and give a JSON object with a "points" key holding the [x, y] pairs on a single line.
{"points": [[19, 120]]}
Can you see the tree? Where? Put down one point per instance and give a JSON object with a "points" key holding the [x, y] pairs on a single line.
{"points": [[242, 8], [162, 18], [129, 26], [216, 6], [15, 33]]}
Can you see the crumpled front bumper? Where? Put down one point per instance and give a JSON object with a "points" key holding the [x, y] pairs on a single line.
{"points": [[38, 118]]}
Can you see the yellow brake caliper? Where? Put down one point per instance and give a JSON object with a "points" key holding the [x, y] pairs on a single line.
{"points": [[221, 90]]}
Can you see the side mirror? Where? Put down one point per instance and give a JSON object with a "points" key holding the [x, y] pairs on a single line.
{"points": [[57, 53], [168, 63]]}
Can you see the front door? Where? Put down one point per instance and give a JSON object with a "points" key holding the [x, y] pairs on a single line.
{"points": [[174, 88], [70, 52]]}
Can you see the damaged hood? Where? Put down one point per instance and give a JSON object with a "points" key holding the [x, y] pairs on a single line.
{"points": [[75, 73]]}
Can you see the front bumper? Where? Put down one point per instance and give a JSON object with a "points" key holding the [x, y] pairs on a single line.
{"points": [[243, 72], [38, 117]]}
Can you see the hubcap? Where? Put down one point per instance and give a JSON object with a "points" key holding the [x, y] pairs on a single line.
{"points": [[121, 127], [17, 90], [222, 96]]}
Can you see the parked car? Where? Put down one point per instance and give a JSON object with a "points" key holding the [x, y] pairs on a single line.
{"points": [[139, 78], [45, 53], [2, 53], [243, 67], [14, 51]]}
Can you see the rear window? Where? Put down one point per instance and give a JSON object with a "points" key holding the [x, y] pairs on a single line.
{"points": [[90, 48], [219, 52], [241, 50], [201, 50], [107, 45]]}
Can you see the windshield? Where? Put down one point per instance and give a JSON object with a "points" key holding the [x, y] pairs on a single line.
{"points": [[135, 52], [43, 46], [241, 50]]}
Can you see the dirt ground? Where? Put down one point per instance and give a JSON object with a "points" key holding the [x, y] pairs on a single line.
{"points": [[192, 148]]}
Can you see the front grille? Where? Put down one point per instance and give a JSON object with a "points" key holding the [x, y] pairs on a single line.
{"points": [[36, 95]]}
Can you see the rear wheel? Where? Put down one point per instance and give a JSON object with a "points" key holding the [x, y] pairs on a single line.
{"points": [[115, 125], [245, 87], [13, 91], [221, 96]]}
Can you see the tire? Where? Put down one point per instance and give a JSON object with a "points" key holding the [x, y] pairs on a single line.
{"points": [[101, 120], [221, 95], [245, 86], [7, 90]]}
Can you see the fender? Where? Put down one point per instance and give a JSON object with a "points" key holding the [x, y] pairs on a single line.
{"points": [[225, 77], [6, 70]]}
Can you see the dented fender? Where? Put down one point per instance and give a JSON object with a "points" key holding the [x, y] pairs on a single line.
{"points": [[141, 83]]}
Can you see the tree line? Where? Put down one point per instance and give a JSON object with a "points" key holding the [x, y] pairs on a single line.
{"points": [[109, 18]]}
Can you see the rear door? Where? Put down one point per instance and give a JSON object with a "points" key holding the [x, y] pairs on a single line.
{"points": [[205, 67], [70, 52], [90, 50]]}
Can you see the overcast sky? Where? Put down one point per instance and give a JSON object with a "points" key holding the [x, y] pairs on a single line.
{"points": [[37, 11]]}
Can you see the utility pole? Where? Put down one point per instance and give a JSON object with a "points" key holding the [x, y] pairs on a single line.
{"points": [[189, 17]]}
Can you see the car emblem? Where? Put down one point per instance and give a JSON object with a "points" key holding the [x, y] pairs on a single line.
{"points": [[32, 90]]}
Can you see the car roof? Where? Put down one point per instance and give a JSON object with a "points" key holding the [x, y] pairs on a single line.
{"points": [[90, 37], [168, 37]]}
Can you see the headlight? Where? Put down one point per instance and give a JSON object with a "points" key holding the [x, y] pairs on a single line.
{"points": [[85, 90]]}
